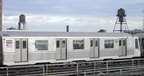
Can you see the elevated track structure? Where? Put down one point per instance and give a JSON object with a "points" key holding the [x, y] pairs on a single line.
{"points": [[82, 68]]}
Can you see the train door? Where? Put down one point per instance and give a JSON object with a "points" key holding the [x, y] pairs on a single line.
{"points": [[61, 49], [21, 50], [142, 46], [94, 48], [122, 47]]}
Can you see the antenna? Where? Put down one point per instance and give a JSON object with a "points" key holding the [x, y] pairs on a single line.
{"points": [[120, 20]]}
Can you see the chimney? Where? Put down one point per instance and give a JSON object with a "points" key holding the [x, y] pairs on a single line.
{"points": [[67, 28]]}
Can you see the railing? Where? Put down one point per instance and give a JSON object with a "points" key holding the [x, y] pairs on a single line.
{"points": [[78, 68]]}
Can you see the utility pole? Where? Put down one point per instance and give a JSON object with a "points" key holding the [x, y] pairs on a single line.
{"points": [[0, 15]]}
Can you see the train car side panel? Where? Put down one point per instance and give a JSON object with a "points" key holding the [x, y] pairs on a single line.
{"points": [[8, 51], [136, 47], [130, 46], [41, 49], [108, 47], [78, 48]]}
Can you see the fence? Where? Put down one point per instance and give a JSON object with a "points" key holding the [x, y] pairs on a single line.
{"points": [[121, 67]]}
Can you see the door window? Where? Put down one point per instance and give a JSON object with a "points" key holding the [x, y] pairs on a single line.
{"points": [[24, 44], [124, 42], [63, 43], [96, 43], [91, 43], [119, 42], [17, 44], [57, 44], [136, 44]]}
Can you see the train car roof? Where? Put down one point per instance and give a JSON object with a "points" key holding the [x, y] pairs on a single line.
{"points": [[140, 35], [60, 34]]}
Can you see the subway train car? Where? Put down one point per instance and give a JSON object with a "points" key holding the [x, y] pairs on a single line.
{"points": [[141, 40], [30, 47]]}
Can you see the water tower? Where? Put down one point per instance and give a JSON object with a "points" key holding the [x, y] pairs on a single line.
{"points": [[21, 22], [121, 20]]}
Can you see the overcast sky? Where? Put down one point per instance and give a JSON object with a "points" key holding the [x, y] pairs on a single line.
{"points": [[80, 15]]}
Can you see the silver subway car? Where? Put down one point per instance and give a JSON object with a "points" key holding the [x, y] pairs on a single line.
{"points": [[26, 47], [141, 39]]}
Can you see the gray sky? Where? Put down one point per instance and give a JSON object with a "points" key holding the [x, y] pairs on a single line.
{"points": [[80, 15]]}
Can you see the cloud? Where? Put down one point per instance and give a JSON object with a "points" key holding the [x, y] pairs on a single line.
{"points": [[92, 14], [51, 21], [71, 7]]}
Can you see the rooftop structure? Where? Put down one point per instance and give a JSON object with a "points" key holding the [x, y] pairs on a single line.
{"points": [[133, 32]]}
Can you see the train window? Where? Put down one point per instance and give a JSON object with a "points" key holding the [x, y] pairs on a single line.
{"points": [[124, 42], [63, 43], [78, 44], [17, 44], [24, 44], [96, 43], [57, 44], [91, 43], [136, 43], [109, 43], [119, 42], [41, 44]]}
